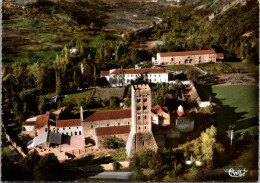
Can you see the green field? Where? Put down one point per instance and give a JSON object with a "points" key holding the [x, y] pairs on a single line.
{"points": [[237, 105], [23, 24], [229, 67], [29, 57], [185, 68], [78, 98], [45, 37]]}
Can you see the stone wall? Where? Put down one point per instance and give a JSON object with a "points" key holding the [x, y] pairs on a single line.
{"points": [[188, 60], [144, 141], [89, 127], [18, 148], [184, 124], [164, 119]]}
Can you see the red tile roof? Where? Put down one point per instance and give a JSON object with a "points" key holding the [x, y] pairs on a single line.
{"points": [[220, 56], [113, 130], [42, 121], [104, 73], [181, 114], [139, 71], [158, 109], [29, 123], [185, 53], [109, 115], [68, 123]]}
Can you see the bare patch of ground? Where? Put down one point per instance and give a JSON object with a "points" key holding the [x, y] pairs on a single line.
{"points": [[226, 79]]}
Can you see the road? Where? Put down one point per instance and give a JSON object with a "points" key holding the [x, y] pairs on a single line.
{"points": [[113, 175]]}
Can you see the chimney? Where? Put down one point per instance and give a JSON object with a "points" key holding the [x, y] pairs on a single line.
{"points": [[81, 113]]}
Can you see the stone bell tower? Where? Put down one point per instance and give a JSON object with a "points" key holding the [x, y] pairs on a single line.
{"points": [[141, 135]]}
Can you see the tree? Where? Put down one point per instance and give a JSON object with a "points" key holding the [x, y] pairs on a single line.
{"points": [[10, 171], [116, 166], [47, 168], [111, 143], [135, 163], [114, 101], [155, 161], [92, 25], [29, 162], [208, 140]]}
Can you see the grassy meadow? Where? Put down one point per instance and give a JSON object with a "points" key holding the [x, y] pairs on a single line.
{"points": [[229, 67], [237, 105]]}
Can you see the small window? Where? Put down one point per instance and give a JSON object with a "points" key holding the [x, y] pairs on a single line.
{"points": [[145, 117], [118, 124], [79, 132], [139, 117], [138, 100], [107, 124], [46, 129], [63, 128], [145, 107], [145, 100], [143, 143], [139, 127], [71, 134], [138, 108], [92, 126], [69, 127], [128, 123], [144, 127], [77, 127], [75, 133]]}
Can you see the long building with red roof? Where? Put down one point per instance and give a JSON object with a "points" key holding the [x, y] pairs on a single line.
{"points": [[69, 127], [105, 118], [187, 57]]}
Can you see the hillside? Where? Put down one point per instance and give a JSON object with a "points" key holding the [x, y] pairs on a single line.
{"points": [[234, 32]]}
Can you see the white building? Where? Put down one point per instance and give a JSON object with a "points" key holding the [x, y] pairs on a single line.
{"points": [[123, 77], [69, 127], [29, 124]]}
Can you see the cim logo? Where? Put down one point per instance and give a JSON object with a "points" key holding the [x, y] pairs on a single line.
{"points": [[236, 173]]}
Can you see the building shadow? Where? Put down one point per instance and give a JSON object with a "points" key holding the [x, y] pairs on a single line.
{"points": [[83, 168], [225, 118], [66, 139]]}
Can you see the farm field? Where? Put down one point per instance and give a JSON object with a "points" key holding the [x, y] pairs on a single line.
{"points": [[237, 105], [79, 98], [229, 67]]}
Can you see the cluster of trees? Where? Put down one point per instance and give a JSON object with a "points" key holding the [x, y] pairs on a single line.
{"points": [[188, 29], [112, 52], [32, 167], [203, 148], [160, 163], [169, 163], [167, 94]]}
